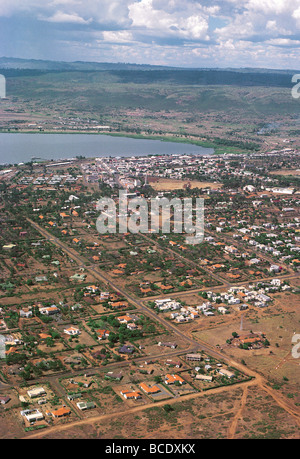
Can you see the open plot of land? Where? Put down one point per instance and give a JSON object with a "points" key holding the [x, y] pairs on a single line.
{"points": [[292, 172], [164, 184], [276, 360], [238, 411]]}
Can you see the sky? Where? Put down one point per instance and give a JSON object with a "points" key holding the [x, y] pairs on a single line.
{"points": [[181, 33]]}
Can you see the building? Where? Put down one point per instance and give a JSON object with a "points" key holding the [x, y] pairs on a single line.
{"points": [[102, 334], [226, 373], [204, 377], [274, 269], [124, 319], [72, 331], [175, 363], [32, 415], [194, 357], [92, 289], [26, 312], [49, 311], [86, 405], [172, 379], [114, 375], [130, 394], [126, 349], [150, 390], [74, 396], [36, 392], [61, 412], [78, 277], [4, 400], [104, 296]]}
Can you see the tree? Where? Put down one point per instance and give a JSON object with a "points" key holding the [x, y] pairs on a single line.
{"points": [[15, 358], [49, 342], [168, 408]]}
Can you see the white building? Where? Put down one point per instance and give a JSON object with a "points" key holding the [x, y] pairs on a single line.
{"points": [[72, 331], [32, 415], [36, 392]]}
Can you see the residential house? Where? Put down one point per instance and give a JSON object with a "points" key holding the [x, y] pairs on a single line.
{"points": [[61, 412], [36, 392], [204, 377], [114, 375], [171, 379], [26, 312], [226, 373], [128, 395], [86, 405], [4, 399], [126, 349], [50, 310], [194, 357], [150, 390], [32, 415], [72, 331], [102, 334]]}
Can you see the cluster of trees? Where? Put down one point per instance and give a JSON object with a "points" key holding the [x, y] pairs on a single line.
{"points": [[31, 371], [122, 334]]}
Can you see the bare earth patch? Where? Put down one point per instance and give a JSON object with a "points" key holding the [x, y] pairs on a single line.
{"points": [[164, 184]]}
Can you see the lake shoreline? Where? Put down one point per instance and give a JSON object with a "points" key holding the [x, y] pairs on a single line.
{"points": [[50, 145], [200, 143], [219, 149]]}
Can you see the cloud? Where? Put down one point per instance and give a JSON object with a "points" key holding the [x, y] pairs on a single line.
{"points": [[175, 32], [59, 16], [123, 36], [162, 19], [76, 11], [283, 42], [261, 18]]}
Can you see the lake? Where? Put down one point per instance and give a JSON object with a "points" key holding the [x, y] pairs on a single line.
{"points": [[20, 147]]}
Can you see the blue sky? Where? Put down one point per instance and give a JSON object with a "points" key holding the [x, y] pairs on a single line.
{"points": [[185, 33]]}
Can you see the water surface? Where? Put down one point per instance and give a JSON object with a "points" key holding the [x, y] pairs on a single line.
{"points": [[21, 147]]}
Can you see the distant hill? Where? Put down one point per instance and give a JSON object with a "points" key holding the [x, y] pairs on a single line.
{"points": [[146, 74], [207, 77], [33, 64]]}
